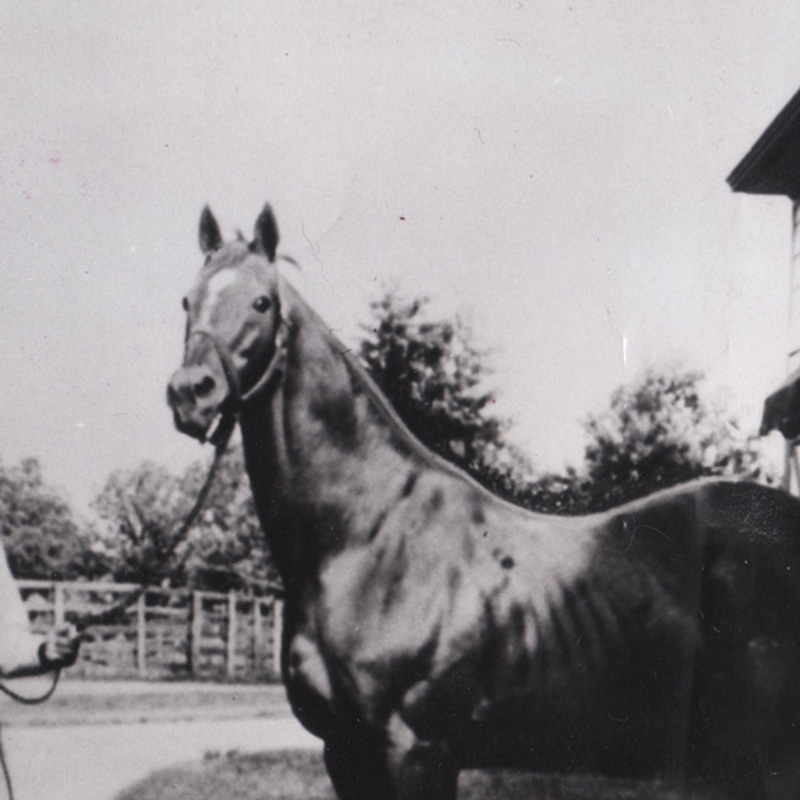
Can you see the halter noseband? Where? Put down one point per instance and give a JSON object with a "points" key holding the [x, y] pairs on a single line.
{"points": [[239, 399]]}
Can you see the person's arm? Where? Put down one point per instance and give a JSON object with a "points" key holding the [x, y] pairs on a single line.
{"points": [[22, 653]]}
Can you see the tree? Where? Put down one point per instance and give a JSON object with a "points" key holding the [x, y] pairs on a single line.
{"points": [[433, 376], [138, 509], [143, 508], [39, 531], [657, 433], [228, 547]]}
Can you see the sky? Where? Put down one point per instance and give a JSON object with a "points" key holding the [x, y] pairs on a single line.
{"points": [[554, 172]]}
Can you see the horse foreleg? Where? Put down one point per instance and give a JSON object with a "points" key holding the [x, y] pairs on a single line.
{"points": [[419, 770], [358, 769]]}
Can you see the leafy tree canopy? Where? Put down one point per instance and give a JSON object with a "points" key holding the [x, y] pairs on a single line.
{"points": [[434, 377], [39, 531], [228, 548], [138, 510], [142, 509], [657, 433]]}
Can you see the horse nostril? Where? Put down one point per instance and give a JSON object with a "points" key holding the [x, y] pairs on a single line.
{"points": [[204, 387]]}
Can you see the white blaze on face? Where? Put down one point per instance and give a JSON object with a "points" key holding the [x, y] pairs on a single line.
{"points": [[216, 285]]}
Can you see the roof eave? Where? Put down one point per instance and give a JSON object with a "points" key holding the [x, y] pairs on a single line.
{"points": [[756, 172]]}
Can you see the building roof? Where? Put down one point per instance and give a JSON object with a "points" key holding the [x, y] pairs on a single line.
{"points": [[773, 164]]}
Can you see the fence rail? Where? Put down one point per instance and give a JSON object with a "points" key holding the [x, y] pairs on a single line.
{"points": [[168, 633]]}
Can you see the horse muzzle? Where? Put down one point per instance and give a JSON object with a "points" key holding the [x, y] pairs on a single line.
{"points": [[197, 396]]}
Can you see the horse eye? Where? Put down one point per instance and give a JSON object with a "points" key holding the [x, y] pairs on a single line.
{"points": [[261, 304], [185, 303]]}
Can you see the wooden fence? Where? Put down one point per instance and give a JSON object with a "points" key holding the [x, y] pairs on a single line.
{"points": [[168, 633]]}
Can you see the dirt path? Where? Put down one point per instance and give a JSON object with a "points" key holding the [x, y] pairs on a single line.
{"points": [[94, 739], [83, 702], [95, 762]]}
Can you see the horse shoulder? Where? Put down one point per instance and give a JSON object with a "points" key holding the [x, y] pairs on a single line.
{"points": [[390, 607], [308, 685]]}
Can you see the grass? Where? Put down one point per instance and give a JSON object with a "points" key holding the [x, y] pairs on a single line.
{"points": [[279, 775], [300, 775]]}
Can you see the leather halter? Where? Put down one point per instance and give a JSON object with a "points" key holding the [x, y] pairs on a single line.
{"points": [[240, 399]]}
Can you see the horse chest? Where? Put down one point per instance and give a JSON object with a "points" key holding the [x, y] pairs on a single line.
{"points": [[305, 676]]}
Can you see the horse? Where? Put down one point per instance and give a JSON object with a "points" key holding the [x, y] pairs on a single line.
{"points": [[431, 627], [22, 653]]}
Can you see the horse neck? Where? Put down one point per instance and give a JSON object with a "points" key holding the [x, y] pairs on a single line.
{"points": [[325, 454]]}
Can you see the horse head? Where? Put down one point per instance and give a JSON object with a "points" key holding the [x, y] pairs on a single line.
{"points": [[233, 324]]}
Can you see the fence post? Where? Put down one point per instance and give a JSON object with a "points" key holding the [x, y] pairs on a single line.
{"points": [[277, 635], [230, 644], [115, 655], [141, 636], [195, 633], [58, 605], [58, 612], [258, 637]]}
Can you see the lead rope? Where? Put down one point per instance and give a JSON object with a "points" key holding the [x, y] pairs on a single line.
{"points": [[88, 620], [4, 768], [105, 617]]}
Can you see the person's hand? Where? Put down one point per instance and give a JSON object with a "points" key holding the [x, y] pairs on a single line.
{"points": [[61, 648]]}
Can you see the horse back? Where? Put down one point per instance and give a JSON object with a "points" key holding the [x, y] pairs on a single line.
{"points": [[675, 633]]}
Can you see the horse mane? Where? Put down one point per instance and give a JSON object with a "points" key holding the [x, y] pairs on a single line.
{"points": [[389, 414]]}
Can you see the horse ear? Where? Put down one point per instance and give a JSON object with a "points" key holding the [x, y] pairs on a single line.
{"points": [[210, 237], [266, 234]]}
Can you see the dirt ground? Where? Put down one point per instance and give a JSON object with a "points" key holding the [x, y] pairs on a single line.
{"points": [[93, 739], [79, 702]]}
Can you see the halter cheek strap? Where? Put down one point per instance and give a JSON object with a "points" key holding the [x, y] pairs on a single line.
{"points": [[241, 398], [275, 366]]}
